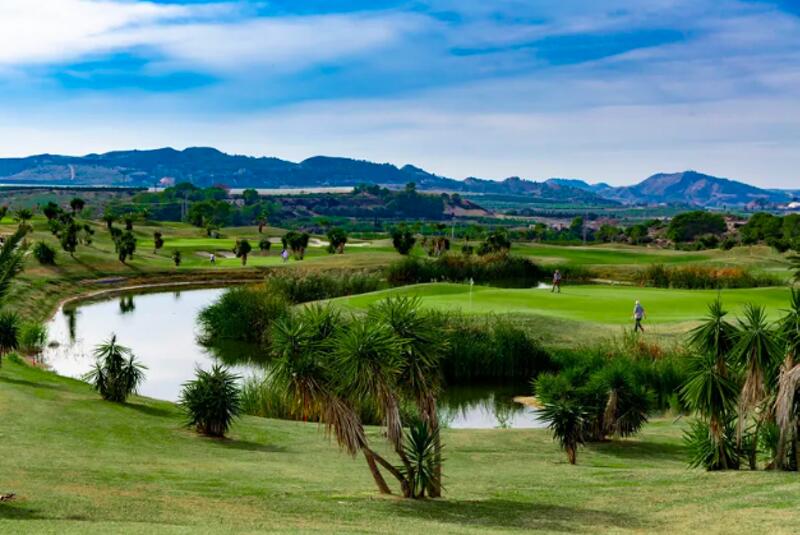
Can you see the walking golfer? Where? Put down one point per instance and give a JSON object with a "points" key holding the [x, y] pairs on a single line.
{"points": [[638, 316], [556, 282]]}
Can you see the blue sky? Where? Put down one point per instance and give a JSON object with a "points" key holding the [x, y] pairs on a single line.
{"points": [[610, 90]]}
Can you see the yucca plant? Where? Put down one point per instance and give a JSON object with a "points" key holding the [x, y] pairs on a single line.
{"points": [[303, 369], [422, 347], [566, 418], [627, 402], [709, 452], [756, 351], [423, 450], [713, 395], [116, 374], [212, 400], [715, 336]]}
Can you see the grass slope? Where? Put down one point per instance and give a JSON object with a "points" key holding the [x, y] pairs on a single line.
{"points": [[81, 465]]}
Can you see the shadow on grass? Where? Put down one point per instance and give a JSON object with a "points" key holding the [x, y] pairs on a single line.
{"points": [[11, 511], [497, 513], [642, 450], [30, 384], [150, 411], [246, 445]]}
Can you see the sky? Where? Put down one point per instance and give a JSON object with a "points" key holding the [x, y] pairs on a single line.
{"points": [[611, 90]]}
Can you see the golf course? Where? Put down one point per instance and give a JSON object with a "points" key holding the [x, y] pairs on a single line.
{"points": [[76, 463]]}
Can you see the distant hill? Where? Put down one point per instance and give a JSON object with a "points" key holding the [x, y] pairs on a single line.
{"points": [[208, 166], [691, 187]]}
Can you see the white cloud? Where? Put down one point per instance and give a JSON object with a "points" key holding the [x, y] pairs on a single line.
{"points": [[216, 37]]}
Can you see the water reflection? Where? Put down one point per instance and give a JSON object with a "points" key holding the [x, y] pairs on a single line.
{"points": [[161, 330], [126, 304], [486, 407]]}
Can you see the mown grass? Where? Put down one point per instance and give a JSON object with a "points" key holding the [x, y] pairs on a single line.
{"points": [[581, 311], [82, 465]]}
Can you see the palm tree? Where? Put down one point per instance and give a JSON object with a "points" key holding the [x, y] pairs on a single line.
{"points": [[302, 346], [715, 336], [712, 394], [368, 364], [421, 353], [567, 419], [116, 374], [786, 403], [756, 351], [708, 390], [627, 402], [23, 215]]}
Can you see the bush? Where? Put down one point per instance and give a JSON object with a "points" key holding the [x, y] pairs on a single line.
{"points": [[44, 254], [500, 269], [243, 313], [212, 401], [303, 287], [695, 277], [403, 240], [689, 225], [9, 333], [33, 338], [478, 350]]}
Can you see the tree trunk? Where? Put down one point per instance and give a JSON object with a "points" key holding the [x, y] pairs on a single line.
{"points": [[571, 454], [376, 474]]}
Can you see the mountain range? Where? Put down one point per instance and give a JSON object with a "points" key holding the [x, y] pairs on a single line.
{"points": [[207, 166]]}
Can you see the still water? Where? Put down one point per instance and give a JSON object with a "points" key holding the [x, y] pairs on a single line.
{"points": [[161, 329]]}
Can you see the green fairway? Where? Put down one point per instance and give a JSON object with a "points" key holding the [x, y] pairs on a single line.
{"points": [[612, 305], [607, 255]]}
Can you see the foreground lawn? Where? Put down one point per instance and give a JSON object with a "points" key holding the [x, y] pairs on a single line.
{"points": [[608, 305], [81, 465]]}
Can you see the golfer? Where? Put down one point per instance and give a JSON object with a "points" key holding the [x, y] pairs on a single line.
{"points": [[556, 282], [638, 315]]}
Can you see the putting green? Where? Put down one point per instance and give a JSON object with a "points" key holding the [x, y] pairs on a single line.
{"points": [[612, 305]]}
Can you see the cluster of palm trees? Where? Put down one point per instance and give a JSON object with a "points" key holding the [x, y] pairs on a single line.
{"points": [[592, 400], [328, 364], [743, 384]]}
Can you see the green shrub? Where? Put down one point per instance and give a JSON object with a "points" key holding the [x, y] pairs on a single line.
{"points": [[243, 313], [9, 332], [704, 452], [44, 254], [33, 338], [212, 400], [303, 287], [499, 269], [695, 277], [478, 350], [116, 374]]}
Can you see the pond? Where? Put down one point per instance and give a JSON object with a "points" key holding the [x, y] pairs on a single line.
{"points": [[161, 329]]}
